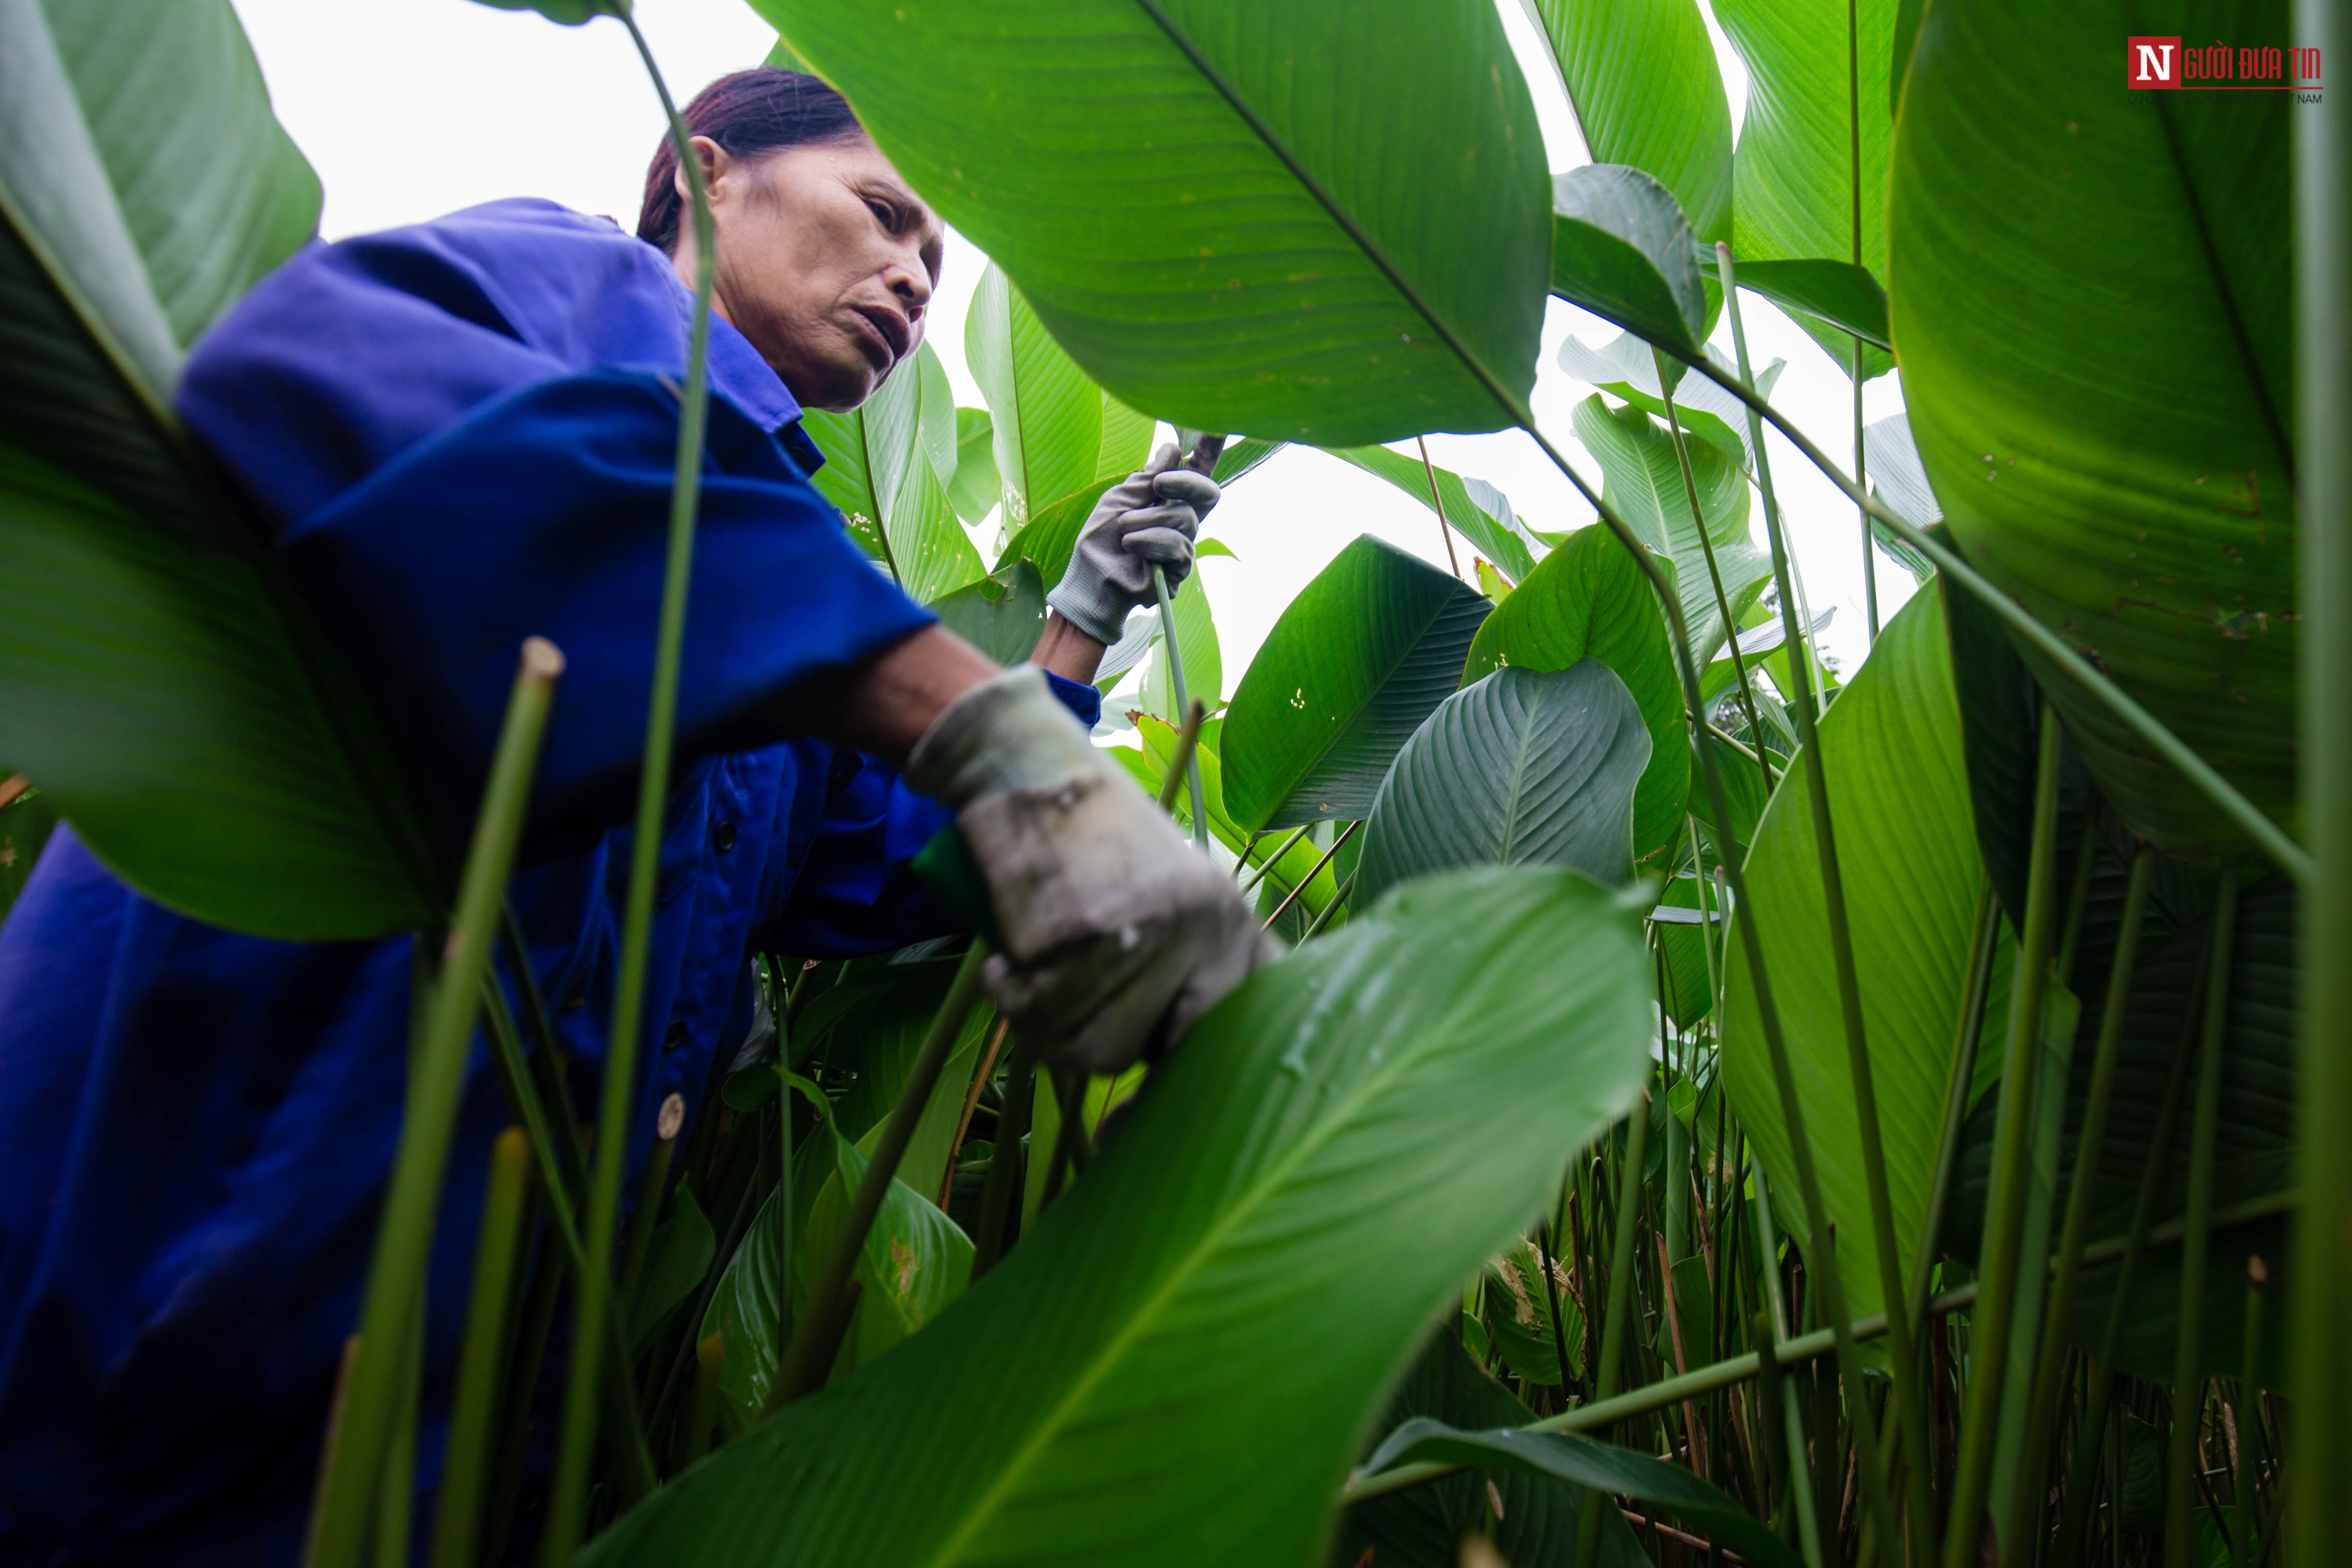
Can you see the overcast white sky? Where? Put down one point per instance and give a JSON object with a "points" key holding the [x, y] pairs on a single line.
{"points": [[414, 109]]}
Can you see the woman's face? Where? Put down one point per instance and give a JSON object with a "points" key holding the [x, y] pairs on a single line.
{"points": [[827, 263]]}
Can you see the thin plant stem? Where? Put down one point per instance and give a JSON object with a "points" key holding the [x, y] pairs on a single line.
{"points": [[2201, 775], [396, 1504], [1791, 1351], [970, 1104], [2042, 1408], [1983, 947], [2188, 1364], [653, 1189], [2250, 1414], [1792, 1418], [1339, 899], [529, 1107], [1438, 502], [1714, 573], [445, 1032], [1854, 187], [466, 1470], [2136, 1241], [820, 1328], [2322, 1364], [1307, 880], [1280, 850], [1546, 1249], [1904, 1372], [568, 1505], [2013, 1148], [997, 1198], [1621, 1290]]}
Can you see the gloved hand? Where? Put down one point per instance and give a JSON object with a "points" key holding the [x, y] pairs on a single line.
{"points": [[1118, 931], [1150, 515]]}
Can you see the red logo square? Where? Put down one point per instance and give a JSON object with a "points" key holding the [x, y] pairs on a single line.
{"points": [[2151, 62]]}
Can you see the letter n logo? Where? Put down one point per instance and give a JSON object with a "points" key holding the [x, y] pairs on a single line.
{"points": [[2152, 62]]}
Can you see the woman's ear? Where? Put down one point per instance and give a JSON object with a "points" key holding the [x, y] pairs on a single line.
{"points": [[715, 166]]}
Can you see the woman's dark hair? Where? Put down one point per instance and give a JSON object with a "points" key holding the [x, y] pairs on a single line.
{"points": [[750, 112]]}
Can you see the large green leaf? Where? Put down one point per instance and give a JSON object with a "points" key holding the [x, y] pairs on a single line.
{"points": [[1473, 509], [1614, 1472], [1906, 852], [886, 469], [1521, 767], [1003, 614], [1046, 416], [1642, 77], [1176, 1367], [1624, 368], [975, 489], [1794, 176], [915, 1261], [1422, 1526], [1622, 249], [2097, 369], [1642, 479], [1821, 295], [157, 678], [1217, 233], [1360, 657], [1588, 599]]}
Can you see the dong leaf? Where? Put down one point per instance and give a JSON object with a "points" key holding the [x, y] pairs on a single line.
{"points": [[886, 469], [1588, 599], [2099, 385], [1521, 767], [1622, 249], [1474, 509], [1890, 747], [158, 678], [1642, 479], [975, 489], [1642, 77], [1795, 182], [1347, 254], [1259, 1250], [1823, 295], [1422, 1526], [1608, 1469], [1360, 657], [1624, 368], [1003, 614]]}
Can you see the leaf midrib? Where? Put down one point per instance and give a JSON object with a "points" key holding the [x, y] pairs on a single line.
{"points": [[1342, 1114]]}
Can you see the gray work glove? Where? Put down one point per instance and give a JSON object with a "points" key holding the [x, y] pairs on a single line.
{"points": [[1150, 515], [1118, 931]]}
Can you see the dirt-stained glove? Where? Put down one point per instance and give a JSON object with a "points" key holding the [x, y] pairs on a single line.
{"points": [[1150, 515], [1117, 933]]}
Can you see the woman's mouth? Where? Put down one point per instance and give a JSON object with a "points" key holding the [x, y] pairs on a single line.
{"points": [[882, 333]]}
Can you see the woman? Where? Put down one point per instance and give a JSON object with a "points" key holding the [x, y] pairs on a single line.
{"points": [[463, 432]]}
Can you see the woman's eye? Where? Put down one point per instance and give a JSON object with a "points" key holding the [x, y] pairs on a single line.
{"points": [[883, 213]]}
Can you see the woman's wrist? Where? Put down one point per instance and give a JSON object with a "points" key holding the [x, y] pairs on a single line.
{"points": [[1066, 651]]}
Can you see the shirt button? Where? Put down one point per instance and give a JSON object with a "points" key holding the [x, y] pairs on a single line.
{"points": [[674, 1037], [723, 835]]}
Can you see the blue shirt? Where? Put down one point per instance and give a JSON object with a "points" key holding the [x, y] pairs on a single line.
{"points": [[463, 433]]}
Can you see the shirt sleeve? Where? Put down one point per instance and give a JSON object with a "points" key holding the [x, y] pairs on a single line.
{"points": [[857, 890], [545, 512]]}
